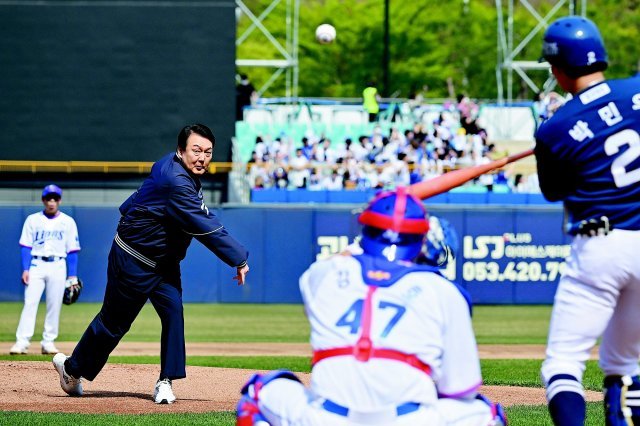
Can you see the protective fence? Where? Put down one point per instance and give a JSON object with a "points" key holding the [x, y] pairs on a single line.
{"points": [[508, 254]]}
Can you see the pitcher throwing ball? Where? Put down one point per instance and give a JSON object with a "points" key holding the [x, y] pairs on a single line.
{"points": [[588, 156], [157, 225]]}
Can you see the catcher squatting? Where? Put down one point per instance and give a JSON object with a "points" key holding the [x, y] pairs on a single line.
{"points": [[48, 238], [392, 338]]}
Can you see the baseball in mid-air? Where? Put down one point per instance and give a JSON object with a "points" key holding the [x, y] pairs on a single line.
{"points": [[325, 33]]}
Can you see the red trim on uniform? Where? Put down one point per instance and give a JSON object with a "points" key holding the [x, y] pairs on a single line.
{"points": [[256, 389], [397, 222], [363, 350], [246, 413], [399, 207], [405, 226], [384, 353]]}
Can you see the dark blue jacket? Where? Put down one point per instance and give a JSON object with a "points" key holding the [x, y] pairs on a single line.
{"points": [[167, 211]]}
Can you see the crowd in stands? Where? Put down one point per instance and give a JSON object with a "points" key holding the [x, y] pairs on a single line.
{"points": [[382, 159]]}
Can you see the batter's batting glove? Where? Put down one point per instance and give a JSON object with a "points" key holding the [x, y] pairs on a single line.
{"points": [[72, 290]]}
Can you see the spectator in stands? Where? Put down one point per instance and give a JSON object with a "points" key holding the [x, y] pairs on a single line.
{"points": [[468, 111], [260, 148], [370, 101], [415, 101], [371, 161], [280, 178], [324, 153], [245, 96], [485, 179], [307, 148], [314, 182], [299, 169], [258, 171], [361, 149], [259, 183], [333, 182], [539, 108]]}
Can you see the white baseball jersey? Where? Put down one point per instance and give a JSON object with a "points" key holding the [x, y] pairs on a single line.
{"points": [[55, 236], [47, 237], [411, 310], [398, 309]]}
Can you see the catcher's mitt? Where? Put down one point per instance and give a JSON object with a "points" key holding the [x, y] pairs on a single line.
{"points": [[72, 290]]}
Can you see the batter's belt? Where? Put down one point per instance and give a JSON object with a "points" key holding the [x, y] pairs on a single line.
{"points": [[594, 227]]}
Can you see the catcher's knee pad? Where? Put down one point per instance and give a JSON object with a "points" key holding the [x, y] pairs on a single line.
{"points": [[248, 413], [248, 410], [498, 416], [622, 400]]}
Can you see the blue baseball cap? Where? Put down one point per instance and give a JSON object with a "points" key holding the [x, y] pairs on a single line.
{"points": [[52, 189]]}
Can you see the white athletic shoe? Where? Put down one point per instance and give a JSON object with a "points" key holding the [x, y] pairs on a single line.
{"points": [[19, 349], [49, 349], [68, 383], [163, 393]]}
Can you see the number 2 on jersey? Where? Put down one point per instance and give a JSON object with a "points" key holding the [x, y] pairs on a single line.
{"points": [[621, 176], [352, 318]]}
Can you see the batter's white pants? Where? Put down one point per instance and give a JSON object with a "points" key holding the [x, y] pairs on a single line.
{"points": [[285, 402], [42, 275], [598, 295]]}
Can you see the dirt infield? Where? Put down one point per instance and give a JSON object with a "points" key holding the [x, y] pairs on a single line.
{"points": [[288, 349], [127, 388]]}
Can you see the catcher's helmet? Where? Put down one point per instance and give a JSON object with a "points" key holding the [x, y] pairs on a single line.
{"points": [[574, 43], [441, 244], [394, 226]]}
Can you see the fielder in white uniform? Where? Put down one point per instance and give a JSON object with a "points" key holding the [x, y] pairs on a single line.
{"points": [[48, 239], [392, 340]]}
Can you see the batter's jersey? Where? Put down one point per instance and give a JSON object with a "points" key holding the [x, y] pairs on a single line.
{"points": [[46, 236], [588, 155], [413, 310]]}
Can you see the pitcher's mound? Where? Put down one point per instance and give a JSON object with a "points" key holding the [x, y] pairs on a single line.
{"points": [[127, 389]]}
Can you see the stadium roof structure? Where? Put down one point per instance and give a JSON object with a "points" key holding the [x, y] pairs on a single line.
{"points": [[287, 61], [510, 54]]}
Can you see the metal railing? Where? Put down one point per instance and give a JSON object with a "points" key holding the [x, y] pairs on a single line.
{"points": [[135, 167]]}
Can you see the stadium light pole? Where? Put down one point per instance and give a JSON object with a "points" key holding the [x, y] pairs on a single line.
{"points": [[385, 51]]}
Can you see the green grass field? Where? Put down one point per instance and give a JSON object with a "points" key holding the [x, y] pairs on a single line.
{"points": [[286, 323]]}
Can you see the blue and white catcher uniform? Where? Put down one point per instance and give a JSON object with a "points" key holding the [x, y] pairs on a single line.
{"points": [[392, 345]]}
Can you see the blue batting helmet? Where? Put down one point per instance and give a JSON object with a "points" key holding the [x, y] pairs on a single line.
{"points": [[441, 244], [394, 226], [574, 42], [52, 189]]}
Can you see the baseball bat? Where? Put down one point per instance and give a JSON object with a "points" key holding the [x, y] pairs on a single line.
{"points": [[450, 180]]}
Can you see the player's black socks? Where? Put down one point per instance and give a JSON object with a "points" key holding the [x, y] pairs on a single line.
{"points": [[568, 409]]}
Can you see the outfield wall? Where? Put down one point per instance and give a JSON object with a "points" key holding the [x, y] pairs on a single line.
{"points": [[508, 254]]}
